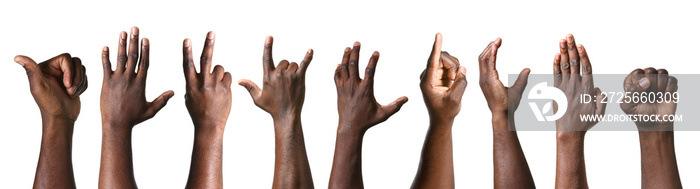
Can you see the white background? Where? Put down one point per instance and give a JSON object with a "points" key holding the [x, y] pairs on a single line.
{"points": [[619, 37]]}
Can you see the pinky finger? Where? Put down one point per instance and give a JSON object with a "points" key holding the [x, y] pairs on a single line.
{"points": [[672, 85]]}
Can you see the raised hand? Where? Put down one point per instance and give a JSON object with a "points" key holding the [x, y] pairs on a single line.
{"points": [[358, 110], [282, 96], [123, 105], [283, 89], [56, 85], [573, 76], [208, 101], [443, 83], [643, 84], [501, 99], [123, 99], [510, 166], [656, 138]]}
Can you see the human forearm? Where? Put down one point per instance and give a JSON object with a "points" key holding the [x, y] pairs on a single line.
{"points": [[116, 165], [571, 167], [436, 166], [207, 155], [347, 160], [509, 163], [55, 168], [659, 167], [291, 163]]}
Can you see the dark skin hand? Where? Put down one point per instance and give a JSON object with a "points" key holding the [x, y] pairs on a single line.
{"points": [[573, 76], [659, 166], [282, 96], [208, 101], [358, 111], [123, 105], [509, 164], [443, 83], [56, 85]]}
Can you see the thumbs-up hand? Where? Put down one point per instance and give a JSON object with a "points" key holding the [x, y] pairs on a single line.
{"points": [[56, 85]]}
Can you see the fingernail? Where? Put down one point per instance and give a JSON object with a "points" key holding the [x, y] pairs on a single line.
{"points": [[104, 49], [309, 51], [569, 38], [375, 53], [187, 43], [357, 43], [210, 35], [134, 31], [122, 35], [562, 44], [644, 82], [463, 70], [347, 49], [580, 48], [144, 42]]}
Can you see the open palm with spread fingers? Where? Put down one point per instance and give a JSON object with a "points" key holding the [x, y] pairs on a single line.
{"points": [[123, 105], [123, 98], [357, 107], [358, 110]]}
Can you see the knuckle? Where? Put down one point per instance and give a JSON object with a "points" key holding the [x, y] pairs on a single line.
{"points": [[575, 62], [122, 58], [565, 65]]}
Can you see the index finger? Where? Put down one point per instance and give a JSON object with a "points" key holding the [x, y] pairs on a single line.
{"points": [[187, 60], [434, 59], [268, 64]]}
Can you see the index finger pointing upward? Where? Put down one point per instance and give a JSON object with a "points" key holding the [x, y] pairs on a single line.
{"points": [[187, 60], [268, 64], [434, 60]]}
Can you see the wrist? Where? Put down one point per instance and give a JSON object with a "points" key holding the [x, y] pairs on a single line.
{"points": [[570, 137], [287, 123], [654, 126], [655, 137], [441, 122], [53, 125], [349, 131], [209, 127], [115, 129]]}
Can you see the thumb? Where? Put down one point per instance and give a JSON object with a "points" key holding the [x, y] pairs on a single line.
{"points": [[641, 86], [460, 83], [391, 108], [158, 104], [252, 88], [33, 71], [521, 82]]}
